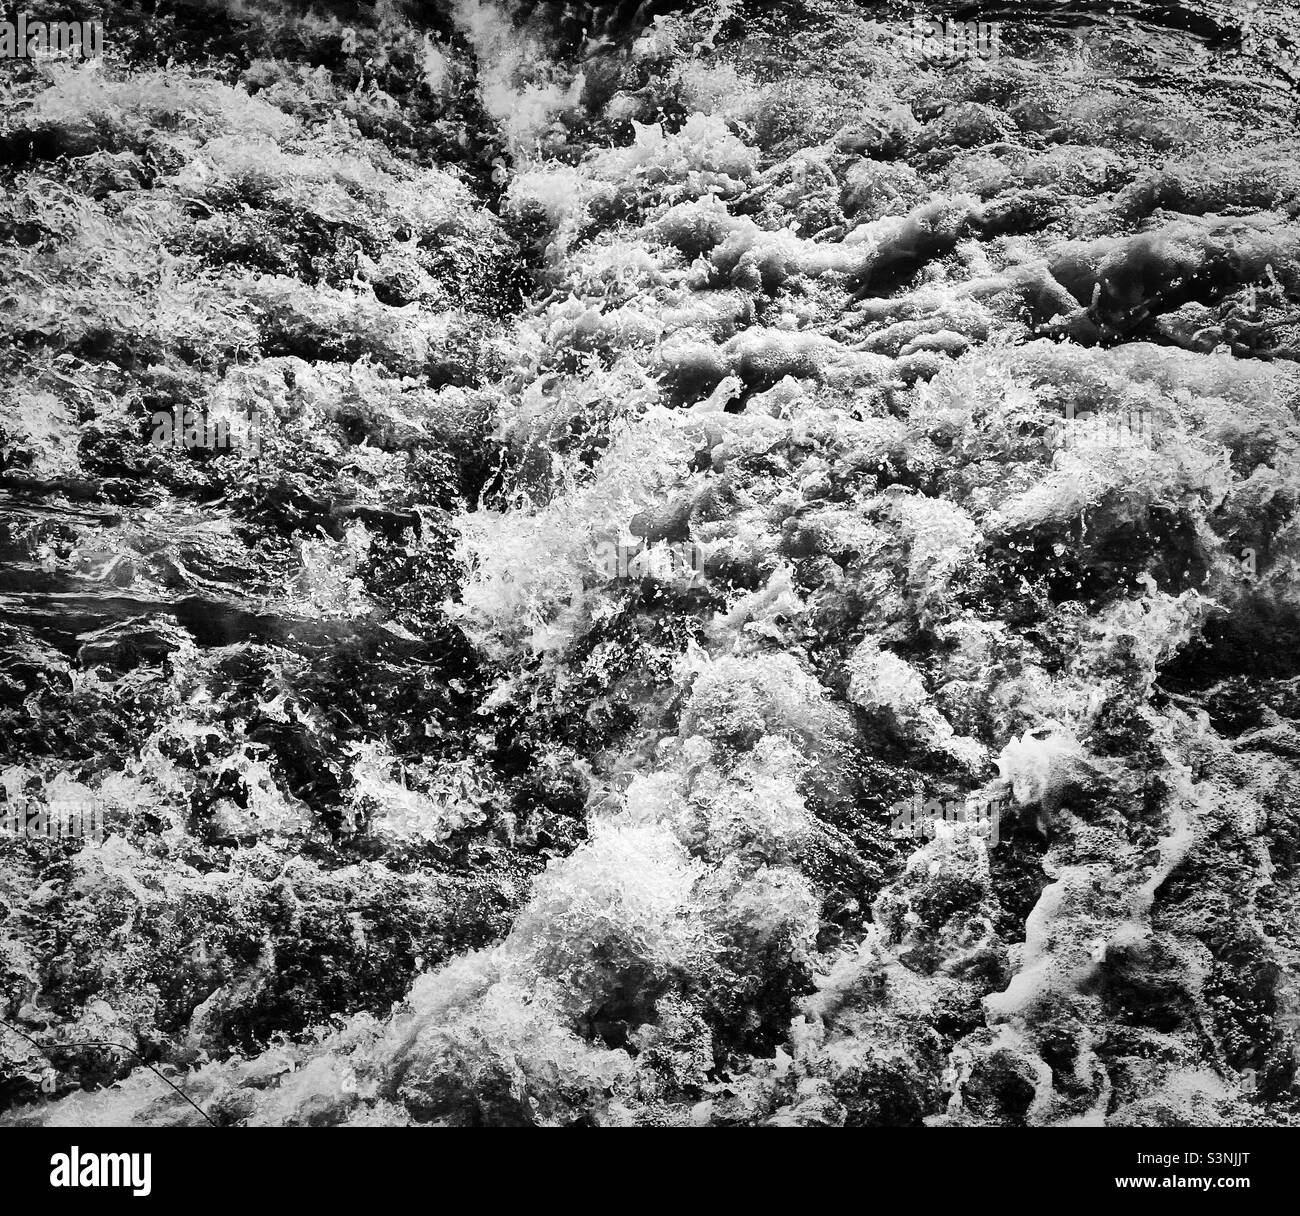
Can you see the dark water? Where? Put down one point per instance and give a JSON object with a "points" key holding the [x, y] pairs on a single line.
{"points": [[1240, 37]]}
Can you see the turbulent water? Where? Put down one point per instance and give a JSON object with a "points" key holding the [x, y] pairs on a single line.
{"points": [[646, 564]]}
